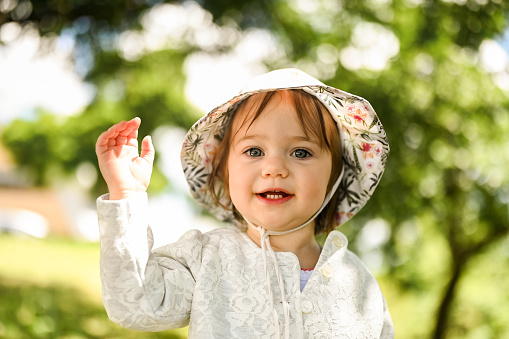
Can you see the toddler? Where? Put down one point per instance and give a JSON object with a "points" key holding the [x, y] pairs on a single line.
{"points": [[285, 160]]}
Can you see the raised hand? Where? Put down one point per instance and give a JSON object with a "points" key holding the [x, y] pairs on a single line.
{"points": [[124, 170]]}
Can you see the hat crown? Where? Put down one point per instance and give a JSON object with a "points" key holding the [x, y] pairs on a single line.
{"points": [[281, 78]]}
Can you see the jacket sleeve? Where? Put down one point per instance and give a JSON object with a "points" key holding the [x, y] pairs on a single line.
{"points": [[144, 290]]}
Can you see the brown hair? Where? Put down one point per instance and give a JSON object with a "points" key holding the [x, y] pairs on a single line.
{"points": [[315, 119]]}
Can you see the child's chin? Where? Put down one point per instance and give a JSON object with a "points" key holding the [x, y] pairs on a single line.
{"points": [[280, 225]]}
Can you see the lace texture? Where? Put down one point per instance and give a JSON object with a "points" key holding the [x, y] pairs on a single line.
{"points": [[215, 282]]}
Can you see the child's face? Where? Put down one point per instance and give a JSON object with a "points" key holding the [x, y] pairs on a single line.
{"points": [[277, 176]]}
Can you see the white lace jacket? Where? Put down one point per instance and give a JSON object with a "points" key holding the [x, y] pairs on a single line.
{"points": [[215, 283]]}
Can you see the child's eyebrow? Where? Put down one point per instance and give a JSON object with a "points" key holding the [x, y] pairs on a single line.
{"points": [[295, 138]]}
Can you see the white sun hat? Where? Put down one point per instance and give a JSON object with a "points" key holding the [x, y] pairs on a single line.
{"points": [[363, 140]]}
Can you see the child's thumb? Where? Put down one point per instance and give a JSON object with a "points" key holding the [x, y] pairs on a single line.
{"points": [[147, 149]]}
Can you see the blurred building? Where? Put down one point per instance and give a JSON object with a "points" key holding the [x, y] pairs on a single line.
{"points": [[24, 209]]}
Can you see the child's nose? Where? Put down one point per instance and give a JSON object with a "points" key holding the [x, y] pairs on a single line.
{"points": [[273, 167]]}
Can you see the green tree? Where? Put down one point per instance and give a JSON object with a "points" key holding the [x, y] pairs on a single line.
{"points": [[151, 88]]}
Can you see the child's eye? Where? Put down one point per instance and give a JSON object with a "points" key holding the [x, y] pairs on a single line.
{"points": [[301, 153], [254, 152]]}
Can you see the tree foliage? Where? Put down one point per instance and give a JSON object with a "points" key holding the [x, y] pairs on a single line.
{"points": [[445, 193], [151, 88]]}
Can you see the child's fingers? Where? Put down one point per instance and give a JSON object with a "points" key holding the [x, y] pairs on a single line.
{"points": [[131, 132], [130, 129], [110, 134], [132, 125], [122, 133], [124, 128], [121, 140], [115, 130], [132, 138], [104, 142], [147, 149], [128, 133]]}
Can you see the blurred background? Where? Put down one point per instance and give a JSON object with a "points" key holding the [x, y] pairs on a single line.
{"points": [[437, 72]]}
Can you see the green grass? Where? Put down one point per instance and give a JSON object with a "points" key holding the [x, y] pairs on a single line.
{"points": [[51, 289]]}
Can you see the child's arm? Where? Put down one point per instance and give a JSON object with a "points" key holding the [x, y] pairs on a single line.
{"points": [[124, 171], [141, 291]]}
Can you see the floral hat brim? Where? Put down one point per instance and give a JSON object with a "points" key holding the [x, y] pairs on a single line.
{"points": [[363, 140]]}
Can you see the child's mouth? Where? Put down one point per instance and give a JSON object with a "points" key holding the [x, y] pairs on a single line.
{"points": [[273, 195]]}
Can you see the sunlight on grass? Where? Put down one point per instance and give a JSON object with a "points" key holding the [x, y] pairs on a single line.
{"points": [[52, 261], [51, 288]]}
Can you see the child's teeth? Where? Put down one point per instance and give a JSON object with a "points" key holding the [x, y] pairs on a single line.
{"points": [[274, 196]]}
